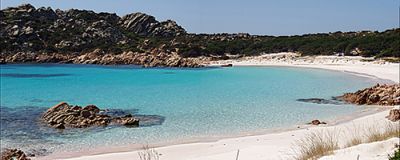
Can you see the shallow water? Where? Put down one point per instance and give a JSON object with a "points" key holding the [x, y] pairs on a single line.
{"points": [[195, 103]]}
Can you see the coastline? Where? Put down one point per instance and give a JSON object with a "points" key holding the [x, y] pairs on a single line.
{"points": [[276, 92], [271, 144], [355, 65], [370, 110], [274, 145]]}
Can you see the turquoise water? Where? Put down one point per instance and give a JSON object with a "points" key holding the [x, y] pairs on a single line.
{"points": [[196, 103]]}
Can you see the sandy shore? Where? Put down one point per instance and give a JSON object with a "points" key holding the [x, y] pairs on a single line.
{"points": [[283, 145], [355, 64]]}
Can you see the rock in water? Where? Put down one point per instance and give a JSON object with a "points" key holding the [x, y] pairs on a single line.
{"points": [[13, 154], [316, 122], [227, 65], [388, 95], [394, 115], [318, 101], [63, 115]]}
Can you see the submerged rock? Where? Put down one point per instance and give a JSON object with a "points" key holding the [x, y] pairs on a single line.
{"points": [[22, 126], [318, 101], [394, 115], [377, 95], [63, 115], [13, 154]]}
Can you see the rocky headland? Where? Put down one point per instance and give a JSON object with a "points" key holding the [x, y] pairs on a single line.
{"points": [[99, 57], [380, 94], [45, 35]]}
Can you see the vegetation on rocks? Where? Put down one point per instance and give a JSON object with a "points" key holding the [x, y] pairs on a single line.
{"points": [[75, 32]]}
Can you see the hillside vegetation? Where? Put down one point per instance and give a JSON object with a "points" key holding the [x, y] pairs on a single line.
{"points": [[42, 30]]}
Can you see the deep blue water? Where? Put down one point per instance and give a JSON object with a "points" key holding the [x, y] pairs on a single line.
{"points": [[195, 103]]}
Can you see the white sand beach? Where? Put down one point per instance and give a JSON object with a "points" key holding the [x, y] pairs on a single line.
{"points": [[354, 64], [278, 146]]}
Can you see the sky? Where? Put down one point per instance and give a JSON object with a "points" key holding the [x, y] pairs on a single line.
{"points": [[260, 17]]}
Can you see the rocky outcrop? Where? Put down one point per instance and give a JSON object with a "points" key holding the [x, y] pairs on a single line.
{"points": [[385, 94], [13, 154], [155, 59], [394, 115], [145, 25], [44, 35], [26, 28], [63, 116]]}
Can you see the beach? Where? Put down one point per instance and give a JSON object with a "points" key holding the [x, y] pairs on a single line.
{"points": [[200, 80], [282, 145]]}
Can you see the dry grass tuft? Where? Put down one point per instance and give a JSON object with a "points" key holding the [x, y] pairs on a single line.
{"points": [[374, 133], [355, 139], [315, 145], [148, 154], [324, 142]]}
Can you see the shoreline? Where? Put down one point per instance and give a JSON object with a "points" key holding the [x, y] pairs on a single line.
{"points": [[174, 151], [353, 65], [171, 150], [370, 110]]}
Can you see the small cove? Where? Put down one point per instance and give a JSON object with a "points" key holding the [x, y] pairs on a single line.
{"points": [[196, 103]]}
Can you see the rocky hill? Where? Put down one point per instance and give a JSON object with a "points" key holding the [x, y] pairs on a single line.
{"points": [[44, 35], [27, 28]]}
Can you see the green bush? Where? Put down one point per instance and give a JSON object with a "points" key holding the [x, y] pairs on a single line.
{"points": [[396, 155]]}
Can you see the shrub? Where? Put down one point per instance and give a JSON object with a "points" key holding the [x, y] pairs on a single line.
{"points": [[396, 155]]}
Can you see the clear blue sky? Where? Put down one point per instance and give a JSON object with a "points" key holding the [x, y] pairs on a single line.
{"points": [[265, 17]]}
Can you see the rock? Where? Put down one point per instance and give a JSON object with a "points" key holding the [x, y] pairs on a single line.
{"points": [[73, 36], [63, 115], [227, 65], [318, 101], [59, 126], [146, 25], [92, 108], [127, 121], [156, 59], [58, 107], [13, 154], [85, 113], [316, 122], [394, 115], [76, 108], [377, 95]]}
